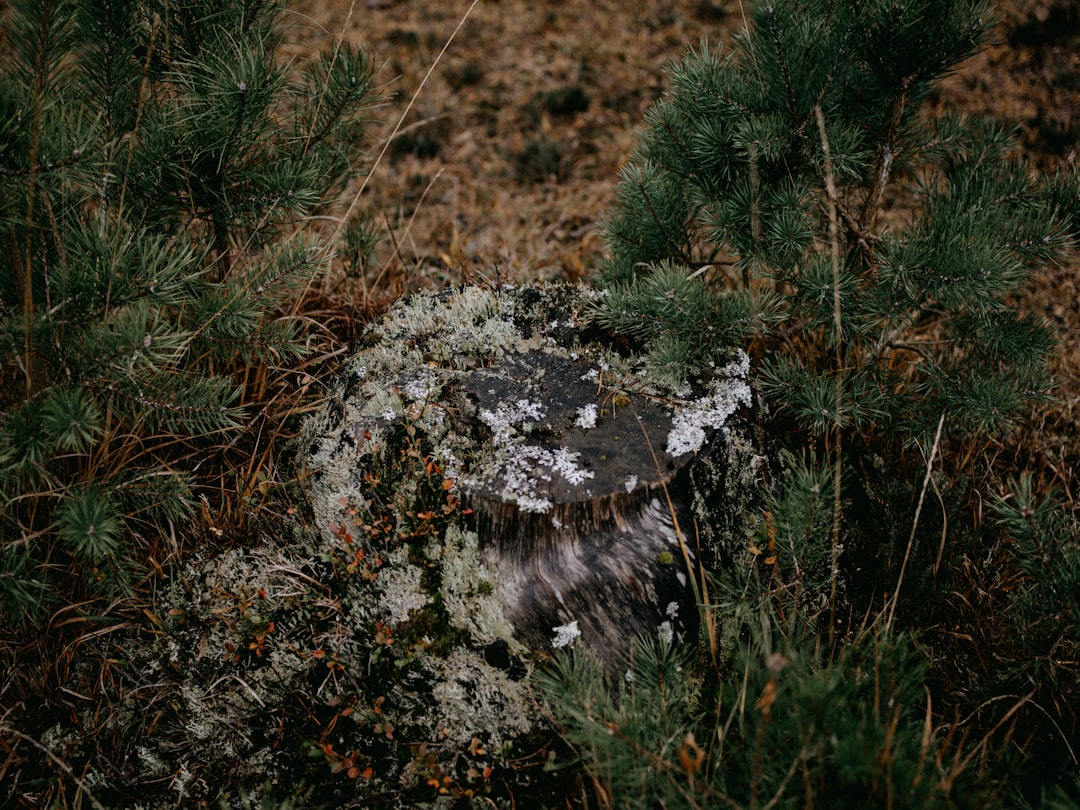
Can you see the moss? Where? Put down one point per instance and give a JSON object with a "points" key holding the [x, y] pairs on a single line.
{"points": [[432, 630]]}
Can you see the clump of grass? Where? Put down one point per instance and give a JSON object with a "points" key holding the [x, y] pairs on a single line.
{"points": [[538, 161]]}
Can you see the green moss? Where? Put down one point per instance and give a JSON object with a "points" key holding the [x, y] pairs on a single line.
{"points": [[430, 629]]}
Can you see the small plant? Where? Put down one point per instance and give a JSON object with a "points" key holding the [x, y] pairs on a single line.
{"points": [[155, 163]]}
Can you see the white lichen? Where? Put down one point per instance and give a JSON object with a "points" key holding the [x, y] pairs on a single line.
{"points": [[521, 472], [470, 696], [586, 416], [666, 632], [565, 634], [533, 503], [505, 419], [402, 591], [711, 412], [469, 604], [421, 387], [564, 462]]}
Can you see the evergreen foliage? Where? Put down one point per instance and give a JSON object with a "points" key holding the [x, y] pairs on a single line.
{"points": [[155, 161], [756, 208], [759, 209], [793, 730], [1044, 615]]}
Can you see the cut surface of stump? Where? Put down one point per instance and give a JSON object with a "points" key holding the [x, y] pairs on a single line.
{"points": [[581, 509]]}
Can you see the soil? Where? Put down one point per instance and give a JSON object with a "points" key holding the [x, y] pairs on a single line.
{"points": [[505, 124]]}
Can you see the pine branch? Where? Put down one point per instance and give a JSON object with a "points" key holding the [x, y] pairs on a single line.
{"points": [[886, 154]]}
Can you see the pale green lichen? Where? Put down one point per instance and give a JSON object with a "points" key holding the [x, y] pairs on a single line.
{"points": [[401, 591], [470, 605], [471, 692]]}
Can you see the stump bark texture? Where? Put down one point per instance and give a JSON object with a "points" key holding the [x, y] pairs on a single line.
{"points": [[582, 519]]}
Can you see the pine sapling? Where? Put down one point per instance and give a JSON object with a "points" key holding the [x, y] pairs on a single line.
{"points": [[158, 164]]}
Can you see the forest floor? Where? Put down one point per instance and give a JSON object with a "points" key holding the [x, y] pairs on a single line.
{"points": [[496, 152], [505, 125]]}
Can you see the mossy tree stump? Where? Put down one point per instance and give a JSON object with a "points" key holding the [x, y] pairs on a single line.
{"points": [[559, 491], [491, 479]]}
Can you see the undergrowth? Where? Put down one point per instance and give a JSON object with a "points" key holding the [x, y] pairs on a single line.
{"points": [[906, 617]]}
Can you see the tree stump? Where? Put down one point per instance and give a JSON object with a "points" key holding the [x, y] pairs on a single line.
{"points": [[581, 509], [525, 485]]}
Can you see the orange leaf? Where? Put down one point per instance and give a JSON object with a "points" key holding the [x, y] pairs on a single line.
{"points": [[691, 756], [768, 697]]}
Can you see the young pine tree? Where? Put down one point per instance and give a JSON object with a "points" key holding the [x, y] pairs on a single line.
{"points": [[790, 197], [759, 206], [156, 163]]}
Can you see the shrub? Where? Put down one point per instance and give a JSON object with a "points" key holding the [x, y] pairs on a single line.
{"points": [[156, 160], [759, 206], [790, 198]]}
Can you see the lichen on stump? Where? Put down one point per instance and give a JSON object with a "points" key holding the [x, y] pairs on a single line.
{"points": [[558, 494]]}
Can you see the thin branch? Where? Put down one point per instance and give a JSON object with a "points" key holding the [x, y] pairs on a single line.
{"points": [[834, 244], [915, 521], [885, 158]]}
